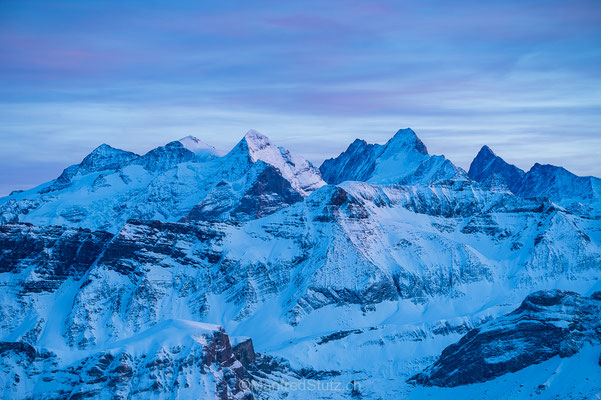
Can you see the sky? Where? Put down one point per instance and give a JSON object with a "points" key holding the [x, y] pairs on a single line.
{"points": [[523, 77]]}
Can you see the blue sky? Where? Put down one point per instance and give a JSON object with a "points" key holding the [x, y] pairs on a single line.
{"points": [[523, 77]]}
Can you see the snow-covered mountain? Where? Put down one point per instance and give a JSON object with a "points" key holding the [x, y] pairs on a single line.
{"points": [[174, 358], [403, 159], [556, 183], [362, 283], [111, 186], [202, 150]]}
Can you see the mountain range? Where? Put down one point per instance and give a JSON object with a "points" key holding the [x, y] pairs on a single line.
{"points": [[386, 272]]}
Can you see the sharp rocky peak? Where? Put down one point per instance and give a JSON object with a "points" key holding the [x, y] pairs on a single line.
{"points": [[486, 153], [259, 148], [403, 159], [102, 158], [105, 155], [491, 170], [256, 143], [406, 139]]}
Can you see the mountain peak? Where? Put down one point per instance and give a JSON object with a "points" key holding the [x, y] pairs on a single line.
{"points": [[256, 140], [104, 149], [406, 139], [259, 146], [490, 169], [487, 152], [102, 158], [255, 147], [202, 150], [105, 157], [192, 143], [403, 159]]}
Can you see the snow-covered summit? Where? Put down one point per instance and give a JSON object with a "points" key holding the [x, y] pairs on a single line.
{"points": [[403, 159], [258, 145], [102, 158], [406, 140], [202, 150], [110, 186], [301, 174]]}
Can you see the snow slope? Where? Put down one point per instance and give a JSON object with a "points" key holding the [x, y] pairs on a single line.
{"points": [[110, 186], [366, 281]]}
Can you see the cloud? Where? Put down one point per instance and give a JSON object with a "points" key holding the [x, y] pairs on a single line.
{"points": [[512, 74]]}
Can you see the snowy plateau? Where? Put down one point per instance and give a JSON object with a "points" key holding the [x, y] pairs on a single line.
{"points": [[386, 273]]}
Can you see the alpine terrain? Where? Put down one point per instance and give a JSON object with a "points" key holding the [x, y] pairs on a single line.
{"points": [[387, 272]]}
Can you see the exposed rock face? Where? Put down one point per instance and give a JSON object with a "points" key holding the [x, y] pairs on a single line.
{"points": [[299, 257], [491, 170], [559, 184], [266, 193], [403, 159], [103, 158], [556, 183], [165, 157], [547, 324], [174, 358], [50, 255], [395, 263], [356, 163]]}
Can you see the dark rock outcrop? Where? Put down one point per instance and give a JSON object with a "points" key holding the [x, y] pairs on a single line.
{"points": [[55, 253], [488, 168], [547, 324], [184, 366]]}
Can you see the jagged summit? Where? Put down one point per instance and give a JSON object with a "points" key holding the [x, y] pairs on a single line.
{"points": [[110, 186], [559, 184], [406, 140], [487, 150], [168, 181], [105, 157], [302, 175], [486, 153], [403, 159], [492, 170], [542, 180], [259, 146]]}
